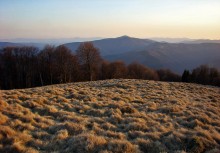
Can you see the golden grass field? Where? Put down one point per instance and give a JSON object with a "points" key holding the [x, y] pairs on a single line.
{"points": [[112, 116]]}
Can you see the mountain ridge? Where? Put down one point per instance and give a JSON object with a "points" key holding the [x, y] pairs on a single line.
{"points": [[157, 55], [14, 44], [109, 46]]}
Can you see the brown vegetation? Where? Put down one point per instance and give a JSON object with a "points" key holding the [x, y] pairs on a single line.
{"points": [[25, 67], [111, 116], [202, 75], [89, 58]]}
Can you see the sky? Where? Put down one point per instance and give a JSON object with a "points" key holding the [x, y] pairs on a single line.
{"points": [[44, 19]]}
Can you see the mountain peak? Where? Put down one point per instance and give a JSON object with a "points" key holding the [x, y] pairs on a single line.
{"points": [[125, 36]]}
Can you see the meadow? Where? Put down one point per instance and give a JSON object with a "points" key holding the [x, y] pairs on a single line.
{"points": [[111, 116]]}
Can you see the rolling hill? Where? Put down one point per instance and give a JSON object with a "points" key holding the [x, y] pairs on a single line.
{"points": [[199, 41], [112, 46], [7, 44], [111, 116], [12, 44], [157, 55], [174, 56]]}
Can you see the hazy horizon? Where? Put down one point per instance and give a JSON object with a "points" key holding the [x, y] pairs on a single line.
{"points": [[60, 41], [85, 19]]}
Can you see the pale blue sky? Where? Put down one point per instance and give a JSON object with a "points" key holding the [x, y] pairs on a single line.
{"points": [[109, 18]]}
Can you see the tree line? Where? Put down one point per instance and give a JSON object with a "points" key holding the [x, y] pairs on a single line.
{"points": [[202, 75], [25, 67]]}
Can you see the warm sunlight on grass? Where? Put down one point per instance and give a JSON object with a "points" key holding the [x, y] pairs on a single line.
{"points": [[112, 116]]}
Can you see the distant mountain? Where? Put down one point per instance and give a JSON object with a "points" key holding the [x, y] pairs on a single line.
{"points": [[6, 44], [199, 41], [55, 42], [176, 57], [111, 46], [185, 40], [40, 43], [171, 40], [10, 44]]}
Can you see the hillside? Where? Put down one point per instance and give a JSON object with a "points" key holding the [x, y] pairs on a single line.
{"points": [[157, 55], [112, 46], [199, 41], [176, 57], [111, 116], [11, 44]]}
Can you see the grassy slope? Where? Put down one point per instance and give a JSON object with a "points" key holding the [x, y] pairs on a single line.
{"points": [[111, 116]]}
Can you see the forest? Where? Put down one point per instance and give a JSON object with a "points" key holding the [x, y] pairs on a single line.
{"points": [[26, 67]]}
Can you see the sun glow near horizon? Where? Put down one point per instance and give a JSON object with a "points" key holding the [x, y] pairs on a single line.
{"points": [[141, 18]]}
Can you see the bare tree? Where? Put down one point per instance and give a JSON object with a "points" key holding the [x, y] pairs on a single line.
{"points": [[57, 65], [139, 71], [104, 70], [46, 65], [66, 64], [17, 65], [117, 70], [168, 75], [90, 59]]}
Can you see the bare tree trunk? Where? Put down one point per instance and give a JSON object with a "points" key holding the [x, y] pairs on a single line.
{"points": [[51, 79], [41, 80], [91, 77]]}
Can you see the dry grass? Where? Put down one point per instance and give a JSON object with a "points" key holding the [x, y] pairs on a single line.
{"points": [[112, 116]]}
